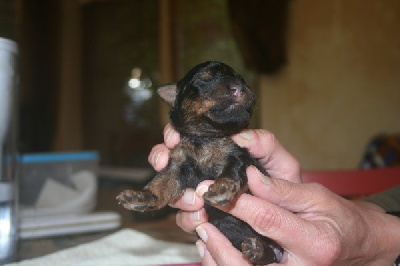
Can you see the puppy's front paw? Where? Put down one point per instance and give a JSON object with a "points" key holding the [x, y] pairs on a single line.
{"points": [[221, 192], [136, 200]]}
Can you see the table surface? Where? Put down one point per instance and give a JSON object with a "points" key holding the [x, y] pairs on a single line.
{"points": [[160, 225]]}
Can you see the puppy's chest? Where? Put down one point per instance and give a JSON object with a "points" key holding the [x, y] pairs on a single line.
{"points": [[203, 160]]}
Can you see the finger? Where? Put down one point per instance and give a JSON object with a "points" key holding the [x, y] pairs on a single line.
{"points": [[192, 205], [285, 194], [192, 200], [207, 259], [277, 209], [264, 146], [158, 157], [219, 247], [171, 136], [281, 225], [188, 221]]}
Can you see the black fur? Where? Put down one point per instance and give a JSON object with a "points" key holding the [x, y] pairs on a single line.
{"points": [[208, 104]]}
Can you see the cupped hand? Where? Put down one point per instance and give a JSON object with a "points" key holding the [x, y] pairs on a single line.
{"points": [[313, 225], [263, 146], [159, 155]]}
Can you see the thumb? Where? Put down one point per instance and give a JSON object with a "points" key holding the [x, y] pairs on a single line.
{"points": [[276, 210], [277, 223], [294, 197]]}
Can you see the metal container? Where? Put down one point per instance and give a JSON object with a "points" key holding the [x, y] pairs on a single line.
{"points": [[8, 152]]}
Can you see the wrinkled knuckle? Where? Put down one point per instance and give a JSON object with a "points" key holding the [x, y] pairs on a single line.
{"points": [[265, 219], [295, 166], [317, 187], [329, 246], [281, 188], [268, 136], [332, 250]]}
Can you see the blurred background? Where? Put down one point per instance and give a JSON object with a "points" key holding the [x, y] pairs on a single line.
{"points": [[327, 73]]}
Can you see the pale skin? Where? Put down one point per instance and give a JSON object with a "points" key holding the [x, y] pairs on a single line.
{"points": [[314, 225]]}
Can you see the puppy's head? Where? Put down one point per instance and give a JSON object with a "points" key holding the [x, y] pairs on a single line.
{"points": [[210, 100]]}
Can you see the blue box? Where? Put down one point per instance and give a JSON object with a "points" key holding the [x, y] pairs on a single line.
{"points": [[37, 168]]}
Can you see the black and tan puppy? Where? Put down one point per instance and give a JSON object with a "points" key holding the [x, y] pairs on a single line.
{"points": [[209, 103]]}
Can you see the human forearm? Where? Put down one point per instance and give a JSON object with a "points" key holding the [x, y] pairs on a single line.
{"points": [[388, 200], [315, 226], [384, 236]]}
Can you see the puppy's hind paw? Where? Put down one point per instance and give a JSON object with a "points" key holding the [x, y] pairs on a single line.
{"points": [[222, 192], [259, 252], [136, 200]]}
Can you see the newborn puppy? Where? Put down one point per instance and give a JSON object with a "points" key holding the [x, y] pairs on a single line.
{"points": [[208, 104]]}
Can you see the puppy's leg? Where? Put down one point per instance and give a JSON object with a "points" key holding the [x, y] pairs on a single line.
{"points": [[163, 189], [222, 192], [232, 180]]}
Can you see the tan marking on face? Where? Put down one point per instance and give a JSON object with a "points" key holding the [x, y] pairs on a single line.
{"points": [[197, 108], [203, 106]]}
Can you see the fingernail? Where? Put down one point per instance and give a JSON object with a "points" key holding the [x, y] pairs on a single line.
{"points": [[260, 176], [200, 248], [189, 197], [195, 216], [202, 233], [168, 134], [243, 138], [178, 218], [157, 157], [201, 190], [247, 134]]}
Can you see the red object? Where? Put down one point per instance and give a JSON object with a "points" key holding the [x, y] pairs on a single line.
{"points": [[357, 182], [184, 264]]}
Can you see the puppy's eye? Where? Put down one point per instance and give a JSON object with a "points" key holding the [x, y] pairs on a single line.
{"points": [[236, 90]]}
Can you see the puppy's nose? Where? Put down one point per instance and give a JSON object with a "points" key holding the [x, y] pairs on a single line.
{"points": [[236, 90]]}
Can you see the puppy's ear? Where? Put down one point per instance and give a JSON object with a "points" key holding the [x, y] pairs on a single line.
{"points": [[168, 93]]}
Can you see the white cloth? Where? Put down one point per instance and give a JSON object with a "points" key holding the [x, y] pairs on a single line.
{"points": [[123, 248]]}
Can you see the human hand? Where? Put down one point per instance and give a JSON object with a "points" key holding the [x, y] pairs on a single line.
{"points": [[261, 144], [314, 225]]}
